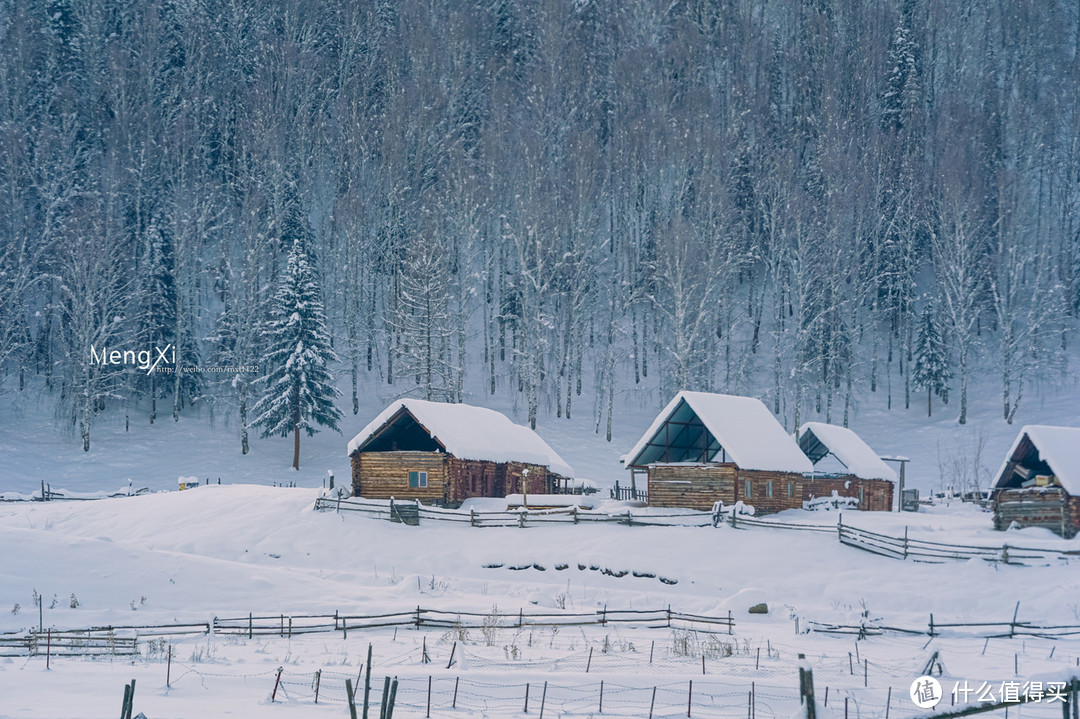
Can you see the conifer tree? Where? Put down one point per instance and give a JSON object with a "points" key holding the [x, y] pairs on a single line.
{"points": [[299, 389], [931, 369]]}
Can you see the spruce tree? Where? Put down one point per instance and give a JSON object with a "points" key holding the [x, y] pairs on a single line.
{"points": [[931, 369], [299, 390]]}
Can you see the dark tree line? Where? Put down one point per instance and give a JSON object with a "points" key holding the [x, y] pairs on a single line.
{"points": [[556, 199]]}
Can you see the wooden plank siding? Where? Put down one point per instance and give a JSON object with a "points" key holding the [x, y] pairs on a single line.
{"points": [[874, 495], [699, 486], [693, 486], [381, 475], [1049, 507]]}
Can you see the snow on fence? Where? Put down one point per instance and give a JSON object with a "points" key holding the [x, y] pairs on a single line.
{"points": [[903, 548], [396, 511]]}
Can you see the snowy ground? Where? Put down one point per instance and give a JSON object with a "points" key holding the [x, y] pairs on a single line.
{"points": [[226, 551]]}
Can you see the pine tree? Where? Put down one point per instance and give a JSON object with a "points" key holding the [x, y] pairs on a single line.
{"points": [[931, 369], [299, 385]]}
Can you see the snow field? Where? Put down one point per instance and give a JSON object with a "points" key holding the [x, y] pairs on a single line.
{"points": [[229, 550]]}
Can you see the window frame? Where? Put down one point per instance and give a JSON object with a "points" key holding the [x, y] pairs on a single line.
{"points": [[421, 479]]}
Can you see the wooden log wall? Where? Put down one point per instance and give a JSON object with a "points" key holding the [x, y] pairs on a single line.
{"points": [[691, 485], [511, 473], [381, 475], [1049, 507], [759, 490], [877, 494], [472, 478]]}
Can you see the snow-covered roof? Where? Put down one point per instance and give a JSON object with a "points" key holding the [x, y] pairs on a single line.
{"points": [[1059, 447], [818, 440], [469, 432], [742, 430]]}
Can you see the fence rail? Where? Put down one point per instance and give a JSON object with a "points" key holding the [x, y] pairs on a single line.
{"points": [[421, 618], [904, 548]]}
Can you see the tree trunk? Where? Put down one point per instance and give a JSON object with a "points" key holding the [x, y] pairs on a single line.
{"points": [[296, 447]]}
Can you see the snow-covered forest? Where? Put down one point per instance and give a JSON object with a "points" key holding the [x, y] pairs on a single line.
{"points": [[554, 200]]}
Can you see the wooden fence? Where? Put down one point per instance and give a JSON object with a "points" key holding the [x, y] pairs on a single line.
{"points": [[421, 618], [395, 511], [903, 547], [123, 641]]}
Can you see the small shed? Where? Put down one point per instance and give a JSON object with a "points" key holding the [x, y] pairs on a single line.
{"points": [[844, 463], [704, 447], [445, 453], [1038, 484]]}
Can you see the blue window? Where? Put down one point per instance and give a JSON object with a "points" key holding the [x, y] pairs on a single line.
{"points": [[417, 480]]}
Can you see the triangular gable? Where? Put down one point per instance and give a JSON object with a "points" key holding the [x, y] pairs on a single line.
{"points": [[819, 440], [703, 427], [1042, 449]]}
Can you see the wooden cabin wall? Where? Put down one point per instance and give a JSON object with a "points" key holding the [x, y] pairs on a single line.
{"points": [[877, 493], [691, 486], [511, 473], [381, 475], [472, 478], [759, 490], [1052, 508]]}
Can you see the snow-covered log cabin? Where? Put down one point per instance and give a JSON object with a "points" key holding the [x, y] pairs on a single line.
{"points": [[703, 448], [443, 454], [845, 464], [1038, 485]]}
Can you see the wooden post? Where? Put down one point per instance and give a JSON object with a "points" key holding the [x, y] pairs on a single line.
{"points": [[601, 709], [931, 624], [905, 541], [290, 627], [367, 682], [351, 698], [888, 701], [702, 664], [384, 699], [48, 648], [393, 697], [689, 697], [589, 662], [277, 682], [806, 690], [344, 628], [168, 670], [472, 517], [652, 704], [428, 696], [543, 698], [651, 647], [1012, 625], [250, 630], [452, 650], [731, 623], [757, 661], [318, 680], [281, 630], [417, 614], [453, 705], [865, 672], [845, 708], [127, 698], [526, 697], [850, 667]]}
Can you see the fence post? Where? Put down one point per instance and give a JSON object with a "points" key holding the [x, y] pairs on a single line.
{"points": [[168, 669], [417, 616], [249, 626], [48, 648], [689, 697], [1012, 625], [428, 696], [730, 623], [277, 682], [543, 698], [932, 624], [367, 681], [589, 662], [453, 704], [472, 517], [905, 542], [351, 698], [652, 704], [806, 688], [318, 680], [601, 709], [526, 697]]}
